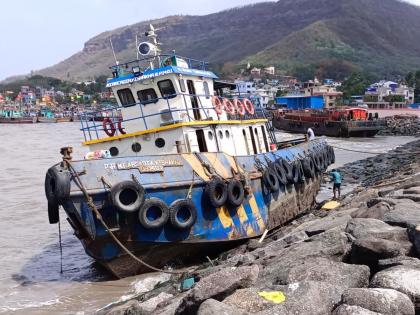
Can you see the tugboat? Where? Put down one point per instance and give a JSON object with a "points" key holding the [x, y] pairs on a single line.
{"points": [[345, 122], [178, 170]]}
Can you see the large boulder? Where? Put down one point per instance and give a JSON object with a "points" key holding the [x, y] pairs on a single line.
{"points": [[334, 245], [405, 279], [375, 212], [404, 214], [368, 251], [322, 269], [218, 286], [384, 301], [131, 307], [151, 304], [324, 224], [362, 228], [306, 298], [213, 307], [248, 300], [345, 309], [398, 261], [414, 234]]}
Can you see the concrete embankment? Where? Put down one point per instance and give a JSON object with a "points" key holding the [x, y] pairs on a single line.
{"points": [[361, 258]]}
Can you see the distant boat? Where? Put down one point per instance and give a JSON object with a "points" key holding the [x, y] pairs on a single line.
{"points": [[12, 116]]}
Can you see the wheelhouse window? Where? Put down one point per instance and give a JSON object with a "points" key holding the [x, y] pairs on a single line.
{"points": [[147, 96], [126, 97], [167, 89], [206, 89], [182, 85]]}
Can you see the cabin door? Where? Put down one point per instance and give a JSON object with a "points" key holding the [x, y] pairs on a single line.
{"points": [[194, 100]]}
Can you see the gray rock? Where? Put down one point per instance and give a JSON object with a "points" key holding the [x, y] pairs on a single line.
{"points": [[307, 298], [384, 301], [248, 300], [362, 228], [375, 212], [213, 307], [403, 215], [334, 245], [322, 269], [169, 307], [401, 278], [345, 309], [151, 304], [131, 307], [324, 224], [218, 286], [368, 251], [414, 234], [398, 261]]}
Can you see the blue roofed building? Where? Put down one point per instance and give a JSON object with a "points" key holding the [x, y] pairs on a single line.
{"points": [[300, 102]]}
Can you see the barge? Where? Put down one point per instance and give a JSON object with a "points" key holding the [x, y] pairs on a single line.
{"points": [[178, 169], [346, 122]]}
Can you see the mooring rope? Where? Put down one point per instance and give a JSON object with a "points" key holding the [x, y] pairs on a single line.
{"points": [[61, 246], [90, 203], [374, 153]]}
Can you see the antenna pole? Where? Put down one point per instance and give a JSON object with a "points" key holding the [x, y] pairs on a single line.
{"points": [[113, 51], [137, 45]]}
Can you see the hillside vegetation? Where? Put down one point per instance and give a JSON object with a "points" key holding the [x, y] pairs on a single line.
{"points": [[331, 37]]}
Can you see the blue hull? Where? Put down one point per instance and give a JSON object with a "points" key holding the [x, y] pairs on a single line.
{"points": [[183, 175]]}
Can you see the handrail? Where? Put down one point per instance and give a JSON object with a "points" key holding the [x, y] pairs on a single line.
{"points": [[89, 125], [191, 62]]}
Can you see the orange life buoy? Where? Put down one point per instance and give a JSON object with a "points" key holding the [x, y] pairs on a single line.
{"points": [[109, 127], [240, 108], [217, 104], [229, 108], [120, 128], [249, 106]]}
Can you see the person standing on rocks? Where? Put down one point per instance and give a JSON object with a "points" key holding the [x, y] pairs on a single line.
{"points": [[310, 135], [336, 178]]}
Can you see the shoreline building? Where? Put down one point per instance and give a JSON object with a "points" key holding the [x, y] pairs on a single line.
{"points": [[388, 95]]}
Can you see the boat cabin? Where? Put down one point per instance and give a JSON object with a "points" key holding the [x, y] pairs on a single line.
{"points": [[175, 105]]}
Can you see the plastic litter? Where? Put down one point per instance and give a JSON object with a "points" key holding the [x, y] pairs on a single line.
{"points": [[187, 283], [273, 296], [330, 205]]}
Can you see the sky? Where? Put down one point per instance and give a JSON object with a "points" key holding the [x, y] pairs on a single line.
{"points": [[39, 33]]}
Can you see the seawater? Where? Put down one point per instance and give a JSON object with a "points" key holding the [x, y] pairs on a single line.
{"points": [[30, 277]]}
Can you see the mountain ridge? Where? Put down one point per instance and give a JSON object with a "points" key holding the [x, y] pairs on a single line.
{"points": [[373, 35]]}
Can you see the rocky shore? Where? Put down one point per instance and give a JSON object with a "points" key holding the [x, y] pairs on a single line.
{"points": [[361, 258], [401, 125]]}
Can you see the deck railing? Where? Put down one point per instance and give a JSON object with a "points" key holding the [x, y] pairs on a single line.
{"points": [[128, 66], [93, 128]]}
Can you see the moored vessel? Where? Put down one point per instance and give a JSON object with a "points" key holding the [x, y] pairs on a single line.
{"points": [[177, 169], [343, 122]]}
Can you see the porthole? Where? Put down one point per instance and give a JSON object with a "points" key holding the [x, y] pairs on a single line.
{"points": [[114, 151], [227, 133], [136, 147], [160, 142], [210, 135], [220, 133]]}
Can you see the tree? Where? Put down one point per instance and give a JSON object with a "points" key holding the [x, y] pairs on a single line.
{"points": [[355, 84]]}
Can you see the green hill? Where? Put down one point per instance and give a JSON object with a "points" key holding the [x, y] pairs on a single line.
{"points": [[331, 36]]}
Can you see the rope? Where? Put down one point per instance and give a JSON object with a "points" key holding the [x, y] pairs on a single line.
{"points": [[61, 246], [91, 205], [358, 151], [191, 186]]}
